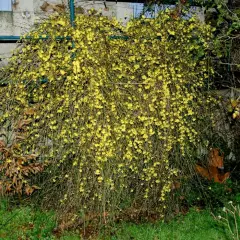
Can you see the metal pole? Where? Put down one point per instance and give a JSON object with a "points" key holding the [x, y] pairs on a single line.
{"points": [[72, 19], [72, 12]]}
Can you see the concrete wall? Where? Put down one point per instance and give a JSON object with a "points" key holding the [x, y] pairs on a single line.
{"points": [[15, 23]]}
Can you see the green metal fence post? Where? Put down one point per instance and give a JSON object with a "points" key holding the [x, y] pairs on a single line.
{"points": [[72, 12], [72, 19]]}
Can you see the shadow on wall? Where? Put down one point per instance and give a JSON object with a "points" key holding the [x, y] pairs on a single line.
{"points": [[51, 7]]}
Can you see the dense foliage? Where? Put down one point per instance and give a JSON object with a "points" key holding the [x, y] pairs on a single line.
{"points": [[106, 105]]}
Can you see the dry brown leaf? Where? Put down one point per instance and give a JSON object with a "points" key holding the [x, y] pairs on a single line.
{"points": [[224, 177], [2, 144], [215, 159], [203, 172], [175, 185], [215, 162]]}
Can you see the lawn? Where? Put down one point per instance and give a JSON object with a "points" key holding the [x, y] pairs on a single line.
{"points": [[25, 222]]}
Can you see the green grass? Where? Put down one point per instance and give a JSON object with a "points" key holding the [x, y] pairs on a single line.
{"points": [[25, 223], [193, 226], [28, 223]]}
